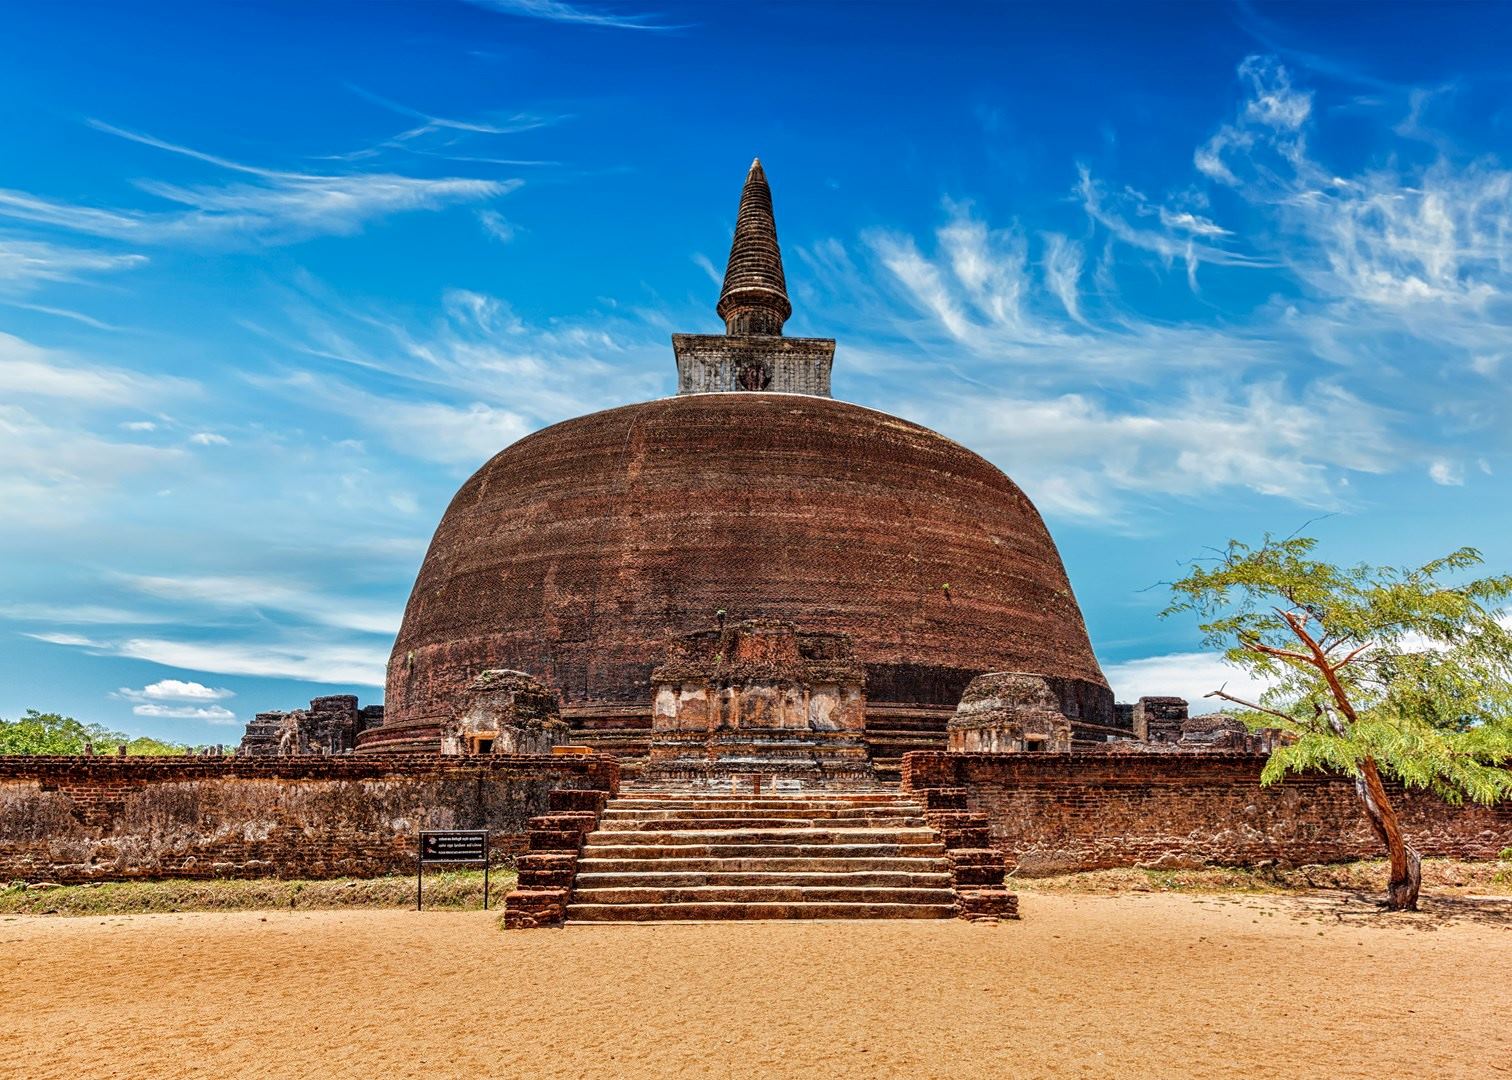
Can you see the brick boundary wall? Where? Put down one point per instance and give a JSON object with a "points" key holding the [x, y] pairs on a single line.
{"points": [[72, 819], [1050, 813]]}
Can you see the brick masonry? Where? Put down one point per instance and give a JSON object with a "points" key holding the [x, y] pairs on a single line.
{"points": [[709, 364], [70, 819], [1084, 811]]}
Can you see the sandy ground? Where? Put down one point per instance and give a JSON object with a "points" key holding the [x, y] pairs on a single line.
{"points": [[1129, 986]]}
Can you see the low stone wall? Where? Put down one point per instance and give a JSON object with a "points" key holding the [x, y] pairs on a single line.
{"points": [[1050, 813], [70, 819]]}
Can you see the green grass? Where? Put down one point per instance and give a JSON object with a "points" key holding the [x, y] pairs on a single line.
{"points": [[1491, 878], [453, 889], [463, 889]]}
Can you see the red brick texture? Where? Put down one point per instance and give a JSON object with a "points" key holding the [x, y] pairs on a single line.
{"points": [[98, 819], [577, 553], [548, 870], [1085, 811]]}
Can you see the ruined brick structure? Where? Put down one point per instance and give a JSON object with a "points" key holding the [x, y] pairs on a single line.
{"points": [[329, 726], [506, 712], [102, 819], [1158, 719], [577, 554], [1050, 813], [759, 696], [1008, 710], [109, 818]]}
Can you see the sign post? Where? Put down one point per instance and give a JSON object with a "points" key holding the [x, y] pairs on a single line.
{"points": [[454, 846]]}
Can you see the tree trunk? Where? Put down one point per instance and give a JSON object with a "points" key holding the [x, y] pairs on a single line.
{"points": [[1406, 864]]}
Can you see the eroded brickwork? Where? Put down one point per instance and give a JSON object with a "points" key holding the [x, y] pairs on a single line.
{"points": [[329, 726], [95, 819], [1087, 811], [577, 553]]}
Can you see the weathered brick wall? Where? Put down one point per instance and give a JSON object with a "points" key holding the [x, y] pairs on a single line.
{"points": [[1087, 811], [92, 819]]}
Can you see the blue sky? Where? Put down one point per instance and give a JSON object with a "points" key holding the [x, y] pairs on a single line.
{"points": [[275, 278]]}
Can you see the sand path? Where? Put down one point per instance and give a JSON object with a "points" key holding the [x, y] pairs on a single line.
{"points": [[1130, 986]]}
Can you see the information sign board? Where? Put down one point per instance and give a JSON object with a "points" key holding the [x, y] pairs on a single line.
{"points": [[452, 846]]}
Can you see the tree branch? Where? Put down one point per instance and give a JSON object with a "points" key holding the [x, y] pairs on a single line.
{"points": [[1220, 693], [1320, 661], [1352, 655], [1271, 650]]}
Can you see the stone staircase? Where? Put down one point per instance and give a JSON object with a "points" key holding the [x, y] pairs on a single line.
{"points": [[689, 854], [668, 855]]}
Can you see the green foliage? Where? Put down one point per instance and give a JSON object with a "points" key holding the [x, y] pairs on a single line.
{"points": [[53, 733], [146, 746], [1411, 668]]}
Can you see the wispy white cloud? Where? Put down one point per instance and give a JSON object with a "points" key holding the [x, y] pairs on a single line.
{"points": [[1080, 457], [1405, 273], [560, 11], [496, 226], [704, 263], [313, 659], [24, 263], [271, 205], [429, 124], [80, 614], [476, 380], [209, 438], [345, 663], [54, 637], [65, 313], [1446, 473], [1174, 235], [30, 371], [1190, 675], [175, 690], [58, 475], [260, 593], [212, 714], [1063, 269]]}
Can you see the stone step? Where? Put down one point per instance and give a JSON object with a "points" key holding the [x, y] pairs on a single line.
{"points": [[769, 894], [764, 805], [660, 878], [664, 852], [802, 835], [838, 814], [596, 849], [767, 864], [765, 799], [631, 822], [710, 912]]}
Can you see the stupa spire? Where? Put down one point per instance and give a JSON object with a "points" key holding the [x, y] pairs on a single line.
{"points": [[754, 299], [752, 354]]}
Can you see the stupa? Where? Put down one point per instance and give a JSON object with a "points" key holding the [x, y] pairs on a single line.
{"points": [[582, 554]]}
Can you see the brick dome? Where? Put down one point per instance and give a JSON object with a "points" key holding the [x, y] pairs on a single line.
{"points": [[578, 552]]}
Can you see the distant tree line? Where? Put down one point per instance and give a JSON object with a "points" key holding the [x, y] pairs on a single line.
{"points": [[52, 733]]}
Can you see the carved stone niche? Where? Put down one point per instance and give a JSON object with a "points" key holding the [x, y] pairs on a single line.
{"points": [[758, 696], [508, 712], [1007, 711]]}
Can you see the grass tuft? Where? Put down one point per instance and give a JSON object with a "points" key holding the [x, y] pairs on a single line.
{"points": [[452, 889]]}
